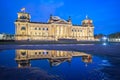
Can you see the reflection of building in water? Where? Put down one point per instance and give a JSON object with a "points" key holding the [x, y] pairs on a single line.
{"points": [[55, 57], [87, 59]]}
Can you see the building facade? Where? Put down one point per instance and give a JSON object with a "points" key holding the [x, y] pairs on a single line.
{"points": [[55, 29]]}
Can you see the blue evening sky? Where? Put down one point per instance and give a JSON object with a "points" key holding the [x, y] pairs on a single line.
{"points": [[104, 13]]}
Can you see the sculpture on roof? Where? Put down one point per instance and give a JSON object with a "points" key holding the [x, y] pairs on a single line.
{"points": [[57, 20]]}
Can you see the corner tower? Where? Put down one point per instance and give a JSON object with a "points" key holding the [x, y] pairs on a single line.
{"points": [[88, 23], [21, 25]]}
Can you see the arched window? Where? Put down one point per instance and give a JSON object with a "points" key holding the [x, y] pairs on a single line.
{"points": [[23, 28], [35, 28], [23, 53], [35, 53], [47, 29], [23, 17], [72, 30], [43, 28]]}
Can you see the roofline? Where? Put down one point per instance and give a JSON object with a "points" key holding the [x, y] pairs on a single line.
{"points": [[76, 25], [39, 22], [24, 13]]}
